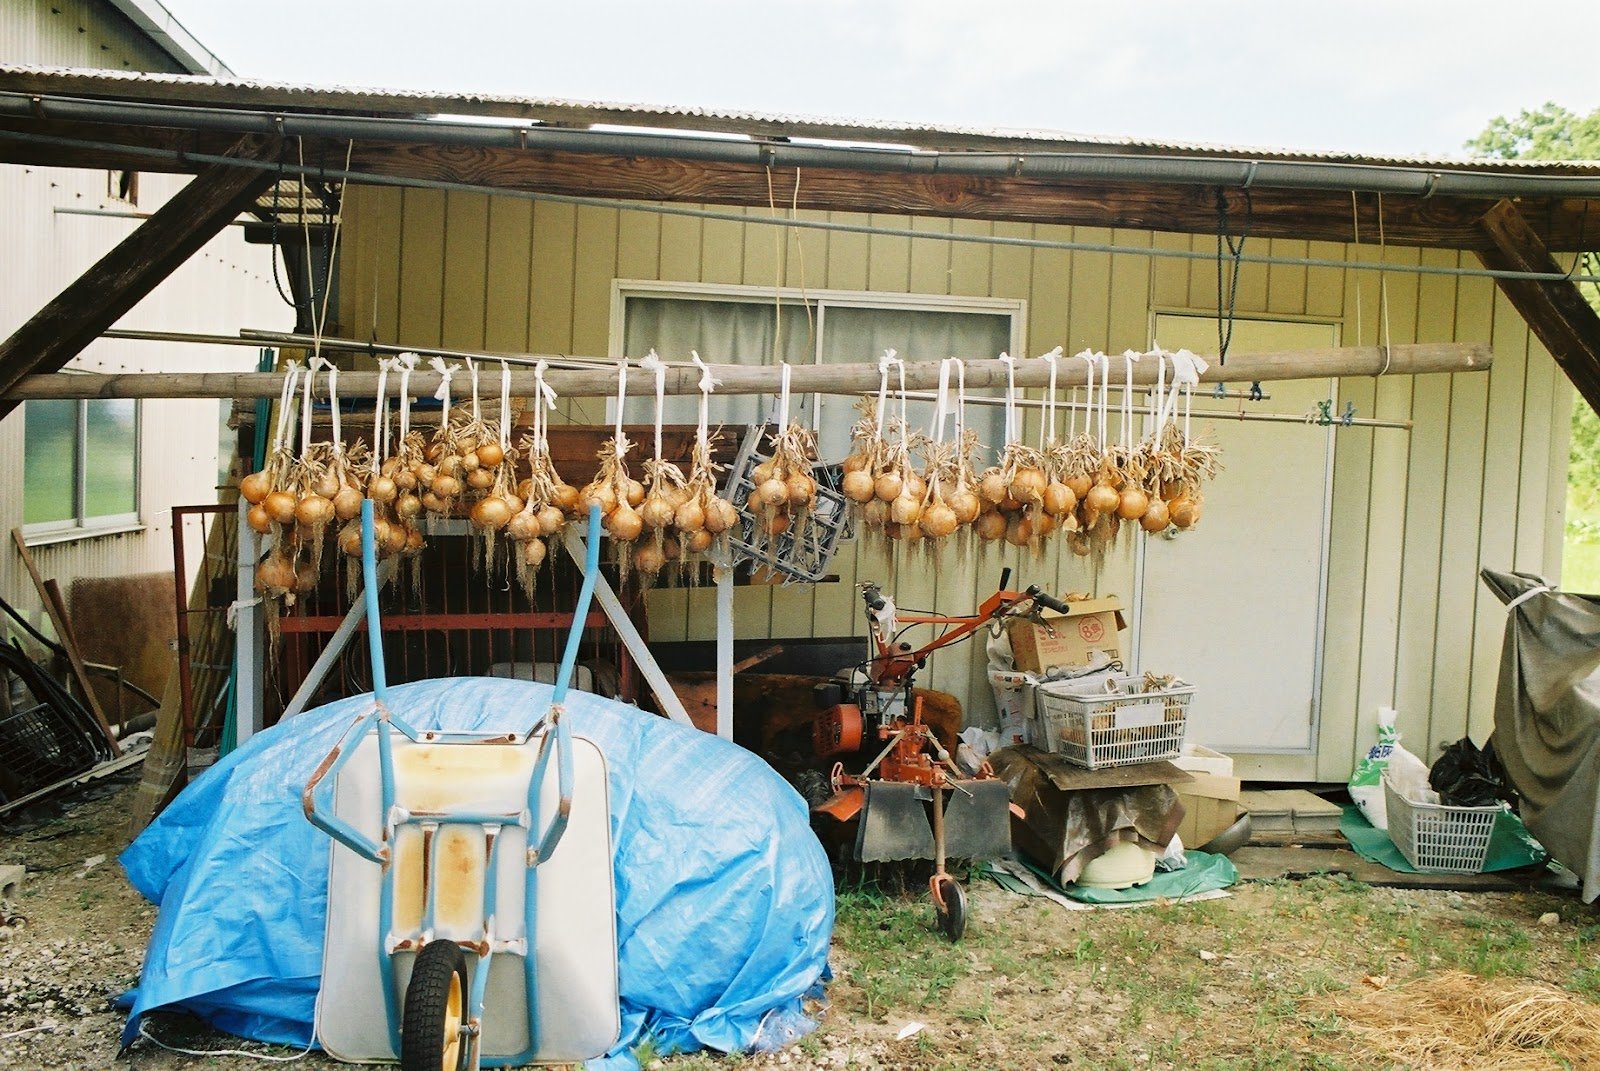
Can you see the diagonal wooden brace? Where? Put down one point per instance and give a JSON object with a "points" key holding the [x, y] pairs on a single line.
{"points": [[118, 281]]}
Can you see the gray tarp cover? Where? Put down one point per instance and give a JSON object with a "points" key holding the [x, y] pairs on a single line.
{"points": [[1547, 718]]}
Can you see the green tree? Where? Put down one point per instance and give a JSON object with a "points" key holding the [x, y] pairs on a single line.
{"points": [[1552, 132]]}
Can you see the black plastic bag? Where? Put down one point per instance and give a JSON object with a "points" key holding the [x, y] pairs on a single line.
{"points": [[1466, 776]]}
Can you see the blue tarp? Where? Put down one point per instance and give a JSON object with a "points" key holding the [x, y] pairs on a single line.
{"points": [[724, 896]]}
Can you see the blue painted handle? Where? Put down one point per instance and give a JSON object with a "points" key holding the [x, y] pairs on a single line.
{"points": [[369, 585], [591, 569]]}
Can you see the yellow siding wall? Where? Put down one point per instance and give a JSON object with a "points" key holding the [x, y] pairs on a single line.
{"points": [[1479, 479]]}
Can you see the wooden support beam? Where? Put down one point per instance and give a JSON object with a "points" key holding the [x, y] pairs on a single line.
{"points": [[601, 380], [1556, 310], [119, 280], [1439, 221]]}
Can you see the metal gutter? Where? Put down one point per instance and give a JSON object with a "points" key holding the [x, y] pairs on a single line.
{"points": [[1094, 167], [162, 27]]}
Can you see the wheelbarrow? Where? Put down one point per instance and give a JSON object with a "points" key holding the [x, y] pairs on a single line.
{"points": [[471, 909]]}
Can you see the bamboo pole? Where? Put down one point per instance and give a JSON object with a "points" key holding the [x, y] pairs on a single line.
{"points": [[601, 381]]}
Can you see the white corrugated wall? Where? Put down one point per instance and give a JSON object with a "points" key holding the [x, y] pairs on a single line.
{"points": [[227, 286]]}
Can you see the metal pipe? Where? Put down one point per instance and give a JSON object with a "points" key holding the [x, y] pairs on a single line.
{"points": [[1198, 414], [1331, 176], [830, 226]]}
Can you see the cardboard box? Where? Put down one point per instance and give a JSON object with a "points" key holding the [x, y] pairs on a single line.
{"points": [[1211, 805], [1070, 640], [1197, 758]]}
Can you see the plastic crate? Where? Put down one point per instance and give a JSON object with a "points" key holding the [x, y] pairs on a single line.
{"points": [[804, 552], [1436, 837], [1113, 721]]}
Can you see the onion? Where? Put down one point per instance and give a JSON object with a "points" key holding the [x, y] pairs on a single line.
{"points": [[275, 575], [1028, 485], [350, 539], [391, 537], [390, 466], [763, 472], [259, 519], [533, 552], [491, 513], [938, 520], [657, 512], [635, 493], [876, 513], [966, 505], [446, 486], [406, 480], [469, 462], [425, 474], [992, 486], [905, 509], [1019, 532], [990, 526], [1103, 498], [255, 488], [381, 489], [414, 542], [858, 485], [856, 463], [802, 489], [888, 486], [514, 501], [1059, 498], [434, 452], [480, 479], [327, 485], [551, 520], [1043, 524], [313, 510], [776, 525], [1156, 518], [1080, 485], [281, 506], [623, 523], [671, 548], [525, 488], [490, 454], [690, 517], [523, 526], [565, 496], [347, 504], [773, 492], [1184, 511], [305, 579], [433, 503], [916, 486], [721, 515], [649, 558], [466, 444], [1132, 504], [450, 465], [602, 493], [698, 541], [675, 494]]}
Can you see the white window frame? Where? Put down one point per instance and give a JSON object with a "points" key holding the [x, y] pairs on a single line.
{"points": [[820, 300], [78, 526]]}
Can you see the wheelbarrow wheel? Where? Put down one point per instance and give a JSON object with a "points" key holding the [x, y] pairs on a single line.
{"points": [[432, 1036], [950, 908]]}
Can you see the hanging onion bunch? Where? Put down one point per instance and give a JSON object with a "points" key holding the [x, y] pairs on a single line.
{"points": [[703, 516], [785, 489], [1177, 464], [884, 449], [271, 492], [947, 466], [618, 496], [866, 449], [494, 474], [546, 497]]}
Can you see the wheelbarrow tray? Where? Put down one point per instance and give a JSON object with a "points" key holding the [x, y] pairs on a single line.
{"points": [[572, 916]]}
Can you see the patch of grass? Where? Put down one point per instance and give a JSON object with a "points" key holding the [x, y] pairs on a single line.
{"points": [[897, 959]]}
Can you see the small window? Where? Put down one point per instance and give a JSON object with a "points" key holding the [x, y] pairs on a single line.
{"points": [[80, 464], [745, 326]]}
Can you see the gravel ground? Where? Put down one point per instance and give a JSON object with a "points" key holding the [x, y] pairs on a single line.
{"points": [[1249, 982]]}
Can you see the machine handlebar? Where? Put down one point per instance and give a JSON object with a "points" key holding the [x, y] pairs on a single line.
{"points": [[1049, 602]]}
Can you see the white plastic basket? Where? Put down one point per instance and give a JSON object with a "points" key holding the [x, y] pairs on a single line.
{"points": [[1436, 837], [804, 551], [1115, 721]]}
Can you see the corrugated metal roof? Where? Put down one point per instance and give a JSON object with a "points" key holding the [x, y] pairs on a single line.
{"points": [[236, 92]]}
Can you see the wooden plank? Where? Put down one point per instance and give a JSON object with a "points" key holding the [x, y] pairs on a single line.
{"points": [[1262, 863], [1555, 310], [1286, 283], [133, 268], [722, 248], [930, 258], [510, 259], [420, 314], [1541, 503], [1091, 287], [1169, 276], [971, 264], [680, 249], [56, 609], [889, 258], [464, 266], [593, 269], [847, 257], [377, 315], [1325, 287], [638, 245]]}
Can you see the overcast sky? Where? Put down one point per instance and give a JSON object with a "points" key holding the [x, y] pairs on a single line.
{"points": [[1400, 77]]}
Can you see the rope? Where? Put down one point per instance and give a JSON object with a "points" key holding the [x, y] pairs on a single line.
{"points": [[707, 384], [622, 393], [446, 372], [1048, 437], [472, 370], [1011, 397], [884, 364], [1383, 291], [652, 363], [1128, 359], [505, 406], [407, 362], [1237, 253]]}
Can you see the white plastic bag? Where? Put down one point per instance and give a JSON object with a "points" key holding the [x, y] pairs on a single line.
{"points": [[1409, 773]]}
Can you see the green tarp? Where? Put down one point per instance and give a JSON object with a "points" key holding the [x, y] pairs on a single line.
{"points": [[1510, 846]]}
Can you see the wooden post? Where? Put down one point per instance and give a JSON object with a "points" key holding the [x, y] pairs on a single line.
{"points": [[1555, 309], [860, 378], [119, 280]]}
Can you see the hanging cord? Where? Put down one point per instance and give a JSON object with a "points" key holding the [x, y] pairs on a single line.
{"points": [[446, 372], [286, 410], [477, 412], [1383, 291], [961, 405], [1355, 240], [1105, 395], [319, 317], [277, 186], [783, 396], [380, 415], [622, 394], [1129, 357], [1236, 251], [544, 397], [653, 364], [800, 254], [1011, 397], [312, 367], [886, 362], [941, 406], [1047, 428], [1087, 357], [777, 268], [707, 384], [333, 408], [406, 362], [1156, 399], [505, 407]]}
